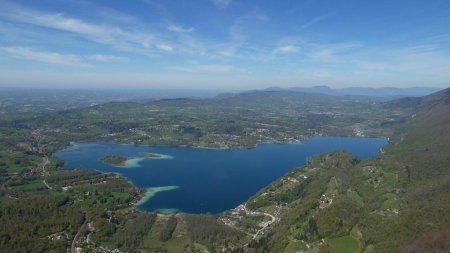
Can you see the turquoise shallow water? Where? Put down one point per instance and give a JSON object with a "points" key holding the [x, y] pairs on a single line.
{"points": [[199, 180]]}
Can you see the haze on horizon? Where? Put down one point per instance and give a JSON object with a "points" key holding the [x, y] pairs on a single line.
{"points": [[224, 44]]}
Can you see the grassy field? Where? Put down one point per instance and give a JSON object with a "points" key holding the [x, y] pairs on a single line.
{"points": [[344, 244], [31, 185], [355, 196]]}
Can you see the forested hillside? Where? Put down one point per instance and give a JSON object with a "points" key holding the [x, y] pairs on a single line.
{"points": [[398, 201]]}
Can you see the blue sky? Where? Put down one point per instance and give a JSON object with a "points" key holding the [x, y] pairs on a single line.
{"points": [[224, 44]]}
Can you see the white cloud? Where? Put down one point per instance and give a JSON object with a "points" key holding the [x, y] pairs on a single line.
{"points": [[229, 51], [210, 68], [241, 44], [131, 36], [134, 40], [314, 21], [332, 53], [285, 50], [421, 60], [180, 29], [59, 59], [165, 47], [222, 3], [107, 58], [240, 28], [41, 56]]}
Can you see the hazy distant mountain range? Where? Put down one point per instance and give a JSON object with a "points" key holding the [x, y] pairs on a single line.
{"points": [[363, 91], [41, 100]]}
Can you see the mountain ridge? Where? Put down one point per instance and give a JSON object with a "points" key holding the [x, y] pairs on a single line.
{"points": [[389, 92]]}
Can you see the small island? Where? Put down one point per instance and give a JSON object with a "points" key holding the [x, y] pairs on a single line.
{"points": [[120, 161], [149, 155], [115, 160]]}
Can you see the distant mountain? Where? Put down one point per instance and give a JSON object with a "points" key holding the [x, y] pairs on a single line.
{"points": [[389, 92], [49, 100]]}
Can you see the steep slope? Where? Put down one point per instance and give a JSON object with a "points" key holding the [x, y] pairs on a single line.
{"points": [[338, 204]]}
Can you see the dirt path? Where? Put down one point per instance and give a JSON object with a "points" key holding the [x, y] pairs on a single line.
{"points": [[44, 171]]}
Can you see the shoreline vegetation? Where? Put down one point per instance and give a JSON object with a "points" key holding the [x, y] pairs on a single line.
{"points": [[115, 160], [120, 161], [149, 155], [152, 191]]}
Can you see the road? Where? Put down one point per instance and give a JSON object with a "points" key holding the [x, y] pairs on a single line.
{"points": [[263, 225], [44, 171], [77, 236]]}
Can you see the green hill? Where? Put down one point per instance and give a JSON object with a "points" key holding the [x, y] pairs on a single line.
{"points": [[398, 201], [378, 205]]}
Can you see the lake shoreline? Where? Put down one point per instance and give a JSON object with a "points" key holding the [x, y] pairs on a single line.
{"points": [[212, 147], [152, 191], [148, 191]]}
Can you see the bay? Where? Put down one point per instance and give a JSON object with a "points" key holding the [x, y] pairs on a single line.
{"points": [[201, 180]]}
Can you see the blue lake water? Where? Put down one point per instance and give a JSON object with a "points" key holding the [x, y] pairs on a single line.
{"points": [[210, 180]]}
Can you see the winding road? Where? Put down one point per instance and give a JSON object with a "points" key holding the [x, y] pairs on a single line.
{"points": [[263, 225]]}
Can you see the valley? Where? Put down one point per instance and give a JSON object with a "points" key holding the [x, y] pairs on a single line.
{"points": [[224, 126], [335, 199]]}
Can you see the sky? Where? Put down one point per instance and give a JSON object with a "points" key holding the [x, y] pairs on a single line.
{"points": [[224, 44]]}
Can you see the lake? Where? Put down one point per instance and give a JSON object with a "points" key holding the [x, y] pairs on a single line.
{"points": [[200, 180]]}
